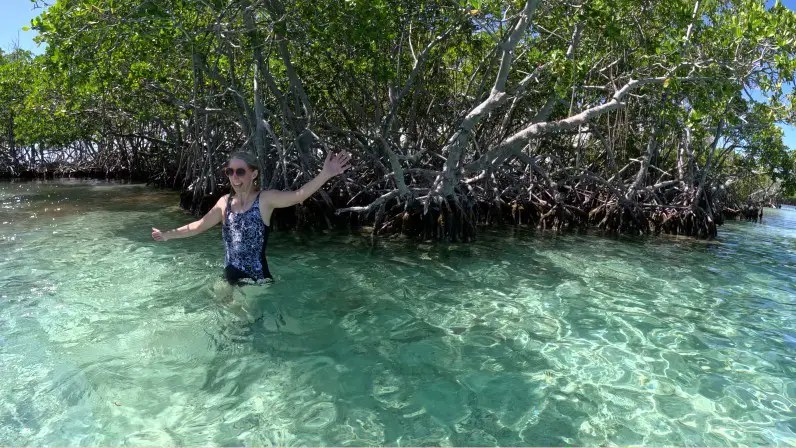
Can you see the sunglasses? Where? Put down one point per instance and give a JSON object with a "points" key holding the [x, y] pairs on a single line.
{"points": [[240, 172]]}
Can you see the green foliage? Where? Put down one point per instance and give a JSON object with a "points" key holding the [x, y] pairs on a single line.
{"points": [[183, 70]]}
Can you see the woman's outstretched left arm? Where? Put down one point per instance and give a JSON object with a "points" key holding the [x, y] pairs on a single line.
{"points": [[332, 166]]}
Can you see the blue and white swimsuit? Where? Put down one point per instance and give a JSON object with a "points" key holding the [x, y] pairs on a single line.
{"points": [[245, 238]]}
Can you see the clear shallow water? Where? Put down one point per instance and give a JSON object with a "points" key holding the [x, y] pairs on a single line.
{"points": [[109, 338]]}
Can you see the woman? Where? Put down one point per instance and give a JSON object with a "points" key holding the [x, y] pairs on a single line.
{"points": [[246, 215]]}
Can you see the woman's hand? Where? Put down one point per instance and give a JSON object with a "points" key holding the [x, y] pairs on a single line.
{"points": [[336, 164], [158, 235], [333, 165]]}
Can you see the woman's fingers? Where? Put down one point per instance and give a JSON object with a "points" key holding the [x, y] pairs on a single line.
{"points": [[344, 158], [340, 159]]}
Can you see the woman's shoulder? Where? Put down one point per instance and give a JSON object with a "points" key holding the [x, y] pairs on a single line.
{"points": [[222, 201]]}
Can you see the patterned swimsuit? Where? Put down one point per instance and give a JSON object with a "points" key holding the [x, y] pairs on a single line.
{"points": [[245, 238]]}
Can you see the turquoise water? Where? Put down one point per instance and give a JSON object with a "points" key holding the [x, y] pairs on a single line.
{"points": [[108, 338]]}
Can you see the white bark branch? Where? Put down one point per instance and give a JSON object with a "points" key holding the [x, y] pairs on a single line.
{"points": [[380, 200], [544, 128], [456, 143]]}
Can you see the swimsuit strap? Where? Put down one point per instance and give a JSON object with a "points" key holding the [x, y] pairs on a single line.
{"points": [[228, 208], [257, 201]]}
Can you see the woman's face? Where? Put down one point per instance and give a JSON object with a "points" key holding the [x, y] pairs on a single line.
{"points": [[241, 177]]}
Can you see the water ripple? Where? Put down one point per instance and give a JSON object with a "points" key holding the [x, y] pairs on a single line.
{"points": [[109, 338]]}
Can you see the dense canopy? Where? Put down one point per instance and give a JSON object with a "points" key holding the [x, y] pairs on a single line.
{"points": [[631, 116]]}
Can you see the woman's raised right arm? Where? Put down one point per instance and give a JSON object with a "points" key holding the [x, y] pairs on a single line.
{"points": [[210, 219]]}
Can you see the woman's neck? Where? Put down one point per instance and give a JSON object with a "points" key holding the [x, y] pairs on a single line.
{"points": [[245, 196]]}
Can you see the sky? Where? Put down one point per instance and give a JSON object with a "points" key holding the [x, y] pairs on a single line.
{"points": [[18, 13]]}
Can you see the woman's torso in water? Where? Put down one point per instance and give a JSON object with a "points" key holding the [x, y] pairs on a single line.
{"points": [[245, 235]]}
